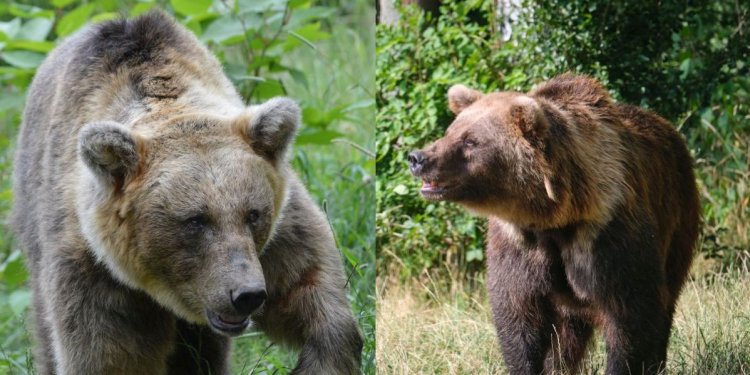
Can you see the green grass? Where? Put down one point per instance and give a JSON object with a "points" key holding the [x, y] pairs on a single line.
{"points": [[445, 327], [340, 175]]}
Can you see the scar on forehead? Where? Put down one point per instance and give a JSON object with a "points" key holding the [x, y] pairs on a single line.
{"points": [[155, 183]]}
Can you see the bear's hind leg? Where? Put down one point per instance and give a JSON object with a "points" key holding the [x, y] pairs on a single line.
{"points": [[637, 344], [631, 291]]}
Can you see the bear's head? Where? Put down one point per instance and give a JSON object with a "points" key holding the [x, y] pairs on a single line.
{"points": [[492, 157], [183, 209]]}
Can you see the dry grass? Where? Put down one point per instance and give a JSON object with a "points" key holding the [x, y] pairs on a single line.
{"points": [[424, 328], [449, 333]]}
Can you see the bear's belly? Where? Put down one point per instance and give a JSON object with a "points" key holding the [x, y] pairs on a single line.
{"points": [[574, 279], [572, 288], [580, 273]]}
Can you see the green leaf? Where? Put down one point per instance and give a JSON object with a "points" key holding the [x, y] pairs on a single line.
{"points": [[30, 45], [401, 189], [317, 136], [222, 29], [474, 254], [190, 7], [249, 78], [35, 29], [10, 101], [685, 68], [19, 300], [101, 17], [298, 76], [29, 11], [15, 71], [294, 4], [112, 5], [302, 17], [268, 89], [321, 119], [358, 105], [62, 3], [140, 8], [11, 28], [195, 26], [12, 270], [23, 59], [74, 20], [306, 34], [257, 6]]}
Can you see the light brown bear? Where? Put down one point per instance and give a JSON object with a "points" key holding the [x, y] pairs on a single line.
{"points": [[161, 217], [593, 216]]}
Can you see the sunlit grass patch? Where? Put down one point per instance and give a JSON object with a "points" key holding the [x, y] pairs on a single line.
{"points": [[425, 328]]}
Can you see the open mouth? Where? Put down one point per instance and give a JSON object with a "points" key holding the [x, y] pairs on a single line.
{"points": [[432, 190], [228, 324]]}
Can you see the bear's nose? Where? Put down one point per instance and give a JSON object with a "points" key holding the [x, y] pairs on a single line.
{"points": [[245, 301], [416, 160]]}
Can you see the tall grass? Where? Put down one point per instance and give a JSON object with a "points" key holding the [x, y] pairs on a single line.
{"points": [[428, 328]]}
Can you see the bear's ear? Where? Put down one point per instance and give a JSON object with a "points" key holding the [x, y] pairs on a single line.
{"points": [[529, 117], [272, 127], [460, 97], [109, 151]]}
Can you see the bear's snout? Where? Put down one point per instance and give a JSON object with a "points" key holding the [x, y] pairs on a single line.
{"points": [[416, 161], [247, 300], [232, 319]]}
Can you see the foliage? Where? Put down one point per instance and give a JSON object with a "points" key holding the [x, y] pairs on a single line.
{"points": [[417, 62], [312, 52], [688, 61]]}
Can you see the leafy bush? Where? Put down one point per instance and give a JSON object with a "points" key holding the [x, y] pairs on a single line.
{"points": [[687, 61], [417, 61], [314, 52]]}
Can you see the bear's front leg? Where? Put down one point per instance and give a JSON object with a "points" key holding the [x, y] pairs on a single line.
{"points": [[307, 305], [314, 315], [518, 286], [199, 351], [332, 342], [98, 325]]}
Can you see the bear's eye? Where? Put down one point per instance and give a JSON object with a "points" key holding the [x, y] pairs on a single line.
{"points": [[196, 223], [252, 217], [469, 143]]}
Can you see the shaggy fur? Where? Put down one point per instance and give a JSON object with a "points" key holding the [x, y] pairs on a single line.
{"points": [[593, 212], [160, 215]]}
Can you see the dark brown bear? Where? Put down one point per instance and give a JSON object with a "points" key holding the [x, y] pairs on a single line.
{"points": [[593, 213]]}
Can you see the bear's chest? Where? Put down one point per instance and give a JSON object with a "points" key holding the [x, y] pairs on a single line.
{"points": [[572, 269]]}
